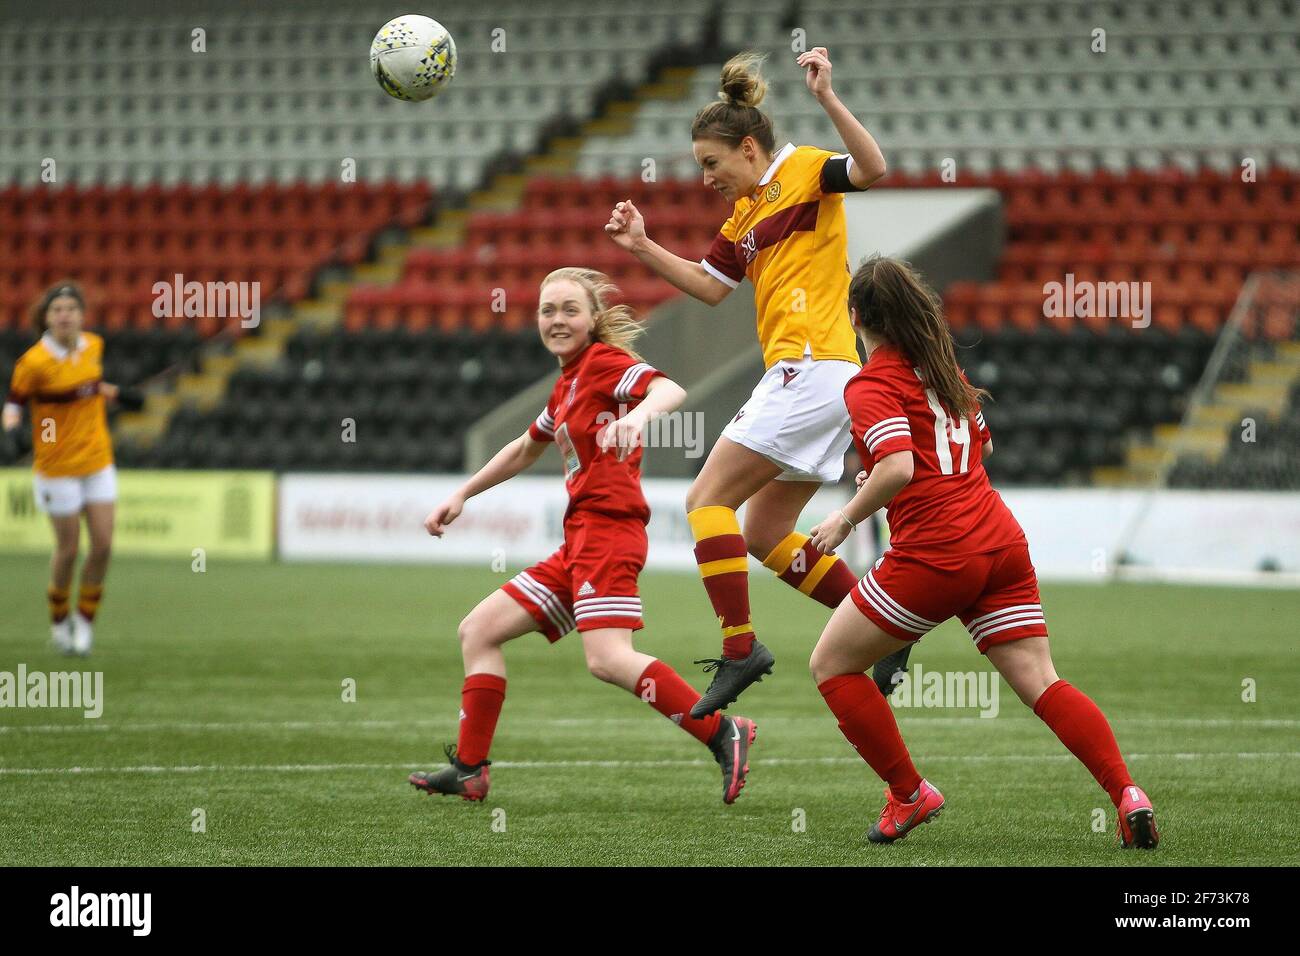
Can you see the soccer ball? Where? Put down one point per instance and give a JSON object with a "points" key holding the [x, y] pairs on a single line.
{"points": [[413, 57]]}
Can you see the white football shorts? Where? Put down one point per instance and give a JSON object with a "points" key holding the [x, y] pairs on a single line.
{"points": [[796, 418], [67, 496]]}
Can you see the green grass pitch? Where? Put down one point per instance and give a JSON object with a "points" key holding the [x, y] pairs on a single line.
{"points": [[224, 692]]}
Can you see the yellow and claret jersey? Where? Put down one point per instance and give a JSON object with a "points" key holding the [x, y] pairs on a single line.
{"points": [[69, 424], [790, 239]]}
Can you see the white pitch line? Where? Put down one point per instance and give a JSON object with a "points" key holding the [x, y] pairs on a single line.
{"points": [[100, 726], [604, 764]]}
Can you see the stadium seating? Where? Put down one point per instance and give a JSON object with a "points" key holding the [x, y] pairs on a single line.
{"points": [[1013, 84], [285, 93], [121, 240], [559, 223], [1122, 165], [408, 394], [1066, 401]]}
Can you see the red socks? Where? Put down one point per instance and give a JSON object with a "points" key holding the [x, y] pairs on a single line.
{"points": [[481, 697], [1086, 733], [723, 558], [823, 577], [660, 686], [663, 689], [868, 723]]}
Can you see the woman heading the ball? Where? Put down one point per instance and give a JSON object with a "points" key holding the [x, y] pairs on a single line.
{"points": [[787, 234], [956, 550], [61, 380], [604, 397]]}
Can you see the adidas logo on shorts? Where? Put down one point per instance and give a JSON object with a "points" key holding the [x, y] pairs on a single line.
{"points": [[586, 589]]}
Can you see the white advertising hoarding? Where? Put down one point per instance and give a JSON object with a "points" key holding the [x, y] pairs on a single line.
{"points": [[1073, 534]]}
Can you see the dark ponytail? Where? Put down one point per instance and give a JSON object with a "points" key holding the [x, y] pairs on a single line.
{"points": [[894, 305]]}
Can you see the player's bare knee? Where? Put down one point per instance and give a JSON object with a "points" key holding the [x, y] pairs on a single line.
{"points": [[819, 666], [602, 667], [475, 633], [697, 497]]}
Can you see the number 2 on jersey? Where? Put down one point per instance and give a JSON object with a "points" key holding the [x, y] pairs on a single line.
{"points": [[946, 434]]}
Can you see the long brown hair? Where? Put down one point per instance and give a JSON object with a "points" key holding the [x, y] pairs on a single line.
{"points": [[737, 114], [894, 305], [615, 325], [42, 305]]}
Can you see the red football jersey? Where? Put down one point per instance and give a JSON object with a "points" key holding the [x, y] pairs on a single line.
{"points": [[600, 385], [948, 507]]}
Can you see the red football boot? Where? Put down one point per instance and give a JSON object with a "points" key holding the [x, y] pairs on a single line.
{"points": [[1137, 821], [898, 819]]}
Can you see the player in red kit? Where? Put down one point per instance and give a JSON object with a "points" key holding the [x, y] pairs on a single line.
{"points": [[955, 550], [590, 583]]}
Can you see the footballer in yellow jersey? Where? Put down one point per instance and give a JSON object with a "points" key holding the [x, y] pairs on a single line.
{"points": [[787, 235], [60, 380]]}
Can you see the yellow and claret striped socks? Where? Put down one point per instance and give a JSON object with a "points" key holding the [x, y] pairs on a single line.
{"points": [[57, 598], [823, 577], [88, 600], [724, 565]]}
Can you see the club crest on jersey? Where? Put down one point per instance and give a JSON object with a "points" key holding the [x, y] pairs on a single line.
{"points": [[749, 246], [789, 374], [773, 192]]}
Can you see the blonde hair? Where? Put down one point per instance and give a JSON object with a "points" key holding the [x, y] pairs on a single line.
{"points": [[738, 115], [614, 325]]}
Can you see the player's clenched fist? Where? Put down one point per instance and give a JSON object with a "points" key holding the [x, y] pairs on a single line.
{"points": [[626, 226], [443, 515]]}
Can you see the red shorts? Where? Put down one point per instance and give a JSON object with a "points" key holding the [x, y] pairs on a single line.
{"points": [[995, 594], [590, 582]]}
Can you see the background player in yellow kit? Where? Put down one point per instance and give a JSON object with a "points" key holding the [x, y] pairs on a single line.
{"points": [[60, 380]]}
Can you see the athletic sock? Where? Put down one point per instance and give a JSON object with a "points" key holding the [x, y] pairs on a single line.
{"points": [[724, 565], [481, 697], [867, 721], [88, 599], [823, 577], [663, 689], [57, 598], [1083, 728]]}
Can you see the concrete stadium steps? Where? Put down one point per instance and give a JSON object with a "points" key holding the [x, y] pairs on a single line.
{"points": [[1207, 433]]}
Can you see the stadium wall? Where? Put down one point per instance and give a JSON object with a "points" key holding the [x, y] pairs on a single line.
{"points": [[1194, 536], [1210, 537]]}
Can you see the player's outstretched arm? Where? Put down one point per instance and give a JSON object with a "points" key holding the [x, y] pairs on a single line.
{"points": [[888, 477], [663, 395], [868, 160], [626, 227], [505, 464]]}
